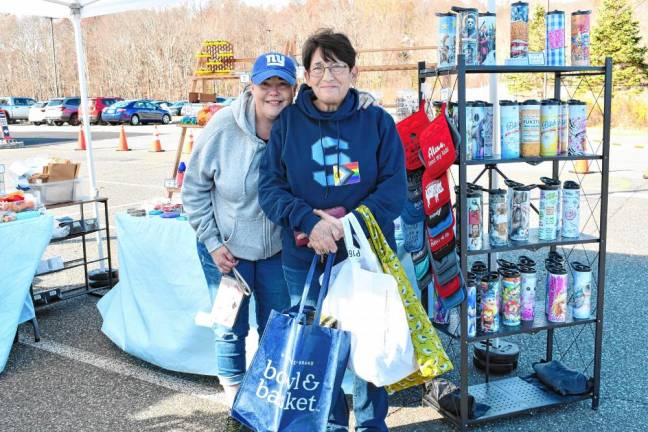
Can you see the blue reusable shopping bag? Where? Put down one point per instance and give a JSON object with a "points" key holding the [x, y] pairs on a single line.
{"points": [[297, 370]]}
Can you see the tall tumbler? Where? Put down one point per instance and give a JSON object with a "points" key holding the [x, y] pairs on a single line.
{"points": [[520, 213], [474, 201], [509, 129], [555, 38], [511, 314], [549, 116], [563, 128], [471, 294], [557, 294], [468, 18], [530, 128], [581, 297], [528, 283], [474, 116], [510, 185], [549, 199], [487, 130], [498, 218], [580, 38], [520, 30], [486, 39], [577, 128], [447, 40], [480, 270], [570, 210], [490, 293]]}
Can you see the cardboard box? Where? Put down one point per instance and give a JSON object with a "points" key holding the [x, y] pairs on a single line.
{"points": [[195, 97]]}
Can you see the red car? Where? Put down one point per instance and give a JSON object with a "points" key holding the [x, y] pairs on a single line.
{"points": [[96, 105]]}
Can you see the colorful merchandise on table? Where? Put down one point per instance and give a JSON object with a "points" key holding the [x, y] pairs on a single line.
{"points": [[580, 38], [511, 300], [490, 298], [18, 206], [556, 294], [528, 281]]}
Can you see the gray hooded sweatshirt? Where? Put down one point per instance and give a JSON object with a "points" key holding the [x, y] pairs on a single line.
{"points": [[220, 189]]}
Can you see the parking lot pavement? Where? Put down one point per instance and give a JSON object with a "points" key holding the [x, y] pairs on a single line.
{"points": [[75, 379]]}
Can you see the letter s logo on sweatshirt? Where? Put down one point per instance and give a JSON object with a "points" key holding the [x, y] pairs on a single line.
{"points": [[325, 154]]}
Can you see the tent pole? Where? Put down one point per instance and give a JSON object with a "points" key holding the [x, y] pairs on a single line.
{"points": [[75, 17]]}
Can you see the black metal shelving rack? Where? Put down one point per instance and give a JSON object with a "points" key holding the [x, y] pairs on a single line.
{"points": [[511, 396], [84, 288]]}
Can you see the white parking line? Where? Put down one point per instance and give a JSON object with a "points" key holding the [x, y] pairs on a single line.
{"points": [[125, 369]]}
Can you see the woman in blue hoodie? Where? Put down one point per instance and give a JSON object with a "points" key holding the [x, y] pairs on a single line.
{"points": [[323, 153]]}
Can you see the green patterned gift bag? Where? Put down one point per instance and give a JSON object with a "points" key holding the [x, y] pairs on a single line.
{"points": [[430, 355]]}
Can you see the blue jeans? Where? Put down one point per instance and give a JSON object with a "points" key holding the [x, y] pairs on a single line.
{"points": [[370, 403], [270, 292]]}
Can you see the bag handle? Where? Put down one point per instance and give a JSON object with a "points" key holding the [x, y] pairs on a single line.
{"points": [[242, 284], [366, 254], [324, 288], [309, 283]]}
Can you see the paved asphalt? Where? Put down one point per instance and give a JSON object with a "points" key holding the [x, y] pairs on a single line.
{"points": [[75, 379]]}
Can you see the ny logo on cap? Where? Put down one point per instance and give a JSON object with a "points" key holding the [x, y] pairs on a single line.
{"points": [[275, 60]]}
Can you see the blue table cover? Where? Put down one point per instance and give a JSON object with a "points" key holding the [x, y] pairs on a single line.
{"points": [[150, 312], [22, 244]]}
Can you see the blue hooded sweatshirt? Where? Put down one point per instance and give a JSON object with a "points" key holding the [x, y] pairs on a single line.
{"points": [[320, 160]]}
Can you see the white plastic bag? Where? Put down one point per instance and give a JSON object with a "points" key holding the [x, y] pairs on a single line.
{"points": [[365, 302]]}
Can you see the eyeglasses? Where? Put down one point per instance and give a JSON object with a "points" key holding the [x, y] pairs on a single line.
{"points": [[336, 69]]}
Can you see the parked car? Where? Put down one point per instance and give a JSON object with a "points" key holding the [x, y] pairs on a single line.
{"points": [[96, 106], [135, 112], [37, 113], [17, 108], [175, 107], [61, 110]]}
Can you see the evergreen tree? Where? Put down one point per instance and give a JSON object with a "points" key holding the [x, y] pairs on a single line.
{"points": [[531, 84], [617, 35]]}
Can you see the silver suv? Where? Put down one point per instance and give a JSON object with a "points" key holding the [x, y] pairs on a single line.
{"points": [[17, 108]]}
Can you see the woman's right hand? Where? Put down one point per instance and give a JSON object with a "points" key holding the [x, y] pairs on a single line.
{"points": [[322, 238], [224, 260]]}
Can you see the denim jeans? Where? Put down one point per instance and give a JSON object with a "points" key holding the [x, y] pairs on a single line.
{"points": [[268, 287], [370, 403]]}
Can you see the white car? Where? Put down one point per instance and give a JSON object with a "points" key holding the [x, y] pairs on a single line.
{"points": [[37, 113]]}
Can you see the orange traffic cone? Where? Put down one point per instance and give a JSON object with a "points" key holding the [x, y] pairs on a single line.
{"points": [[188, 148], [81, 142], [123, 144], [156, 146]]}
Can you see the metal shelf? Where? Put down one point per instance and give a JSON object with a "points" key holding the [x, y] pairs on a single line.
{"points": [[75, 235], [511, 396], [530, 160], [70, 265], [534, 243], [514, 395], [497, 69], [539, 324]]}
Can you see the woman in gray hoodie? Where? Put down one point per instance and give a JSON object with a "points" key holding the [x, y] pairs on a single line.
{"points": [[220, 196]]}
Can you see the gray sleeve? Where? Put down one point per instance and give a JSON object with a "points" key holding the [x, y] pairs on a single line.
{"points": [[197, 191]]}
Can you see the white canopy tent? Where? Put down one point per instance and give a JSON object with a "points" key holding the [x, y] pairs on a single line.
{"points": [[75, 11]]}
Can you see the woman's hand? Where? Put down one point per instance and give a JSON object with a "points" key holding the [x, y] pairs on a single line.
{"points": [[224, 260], [365, 100], [323, 237], [337, 228]]}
